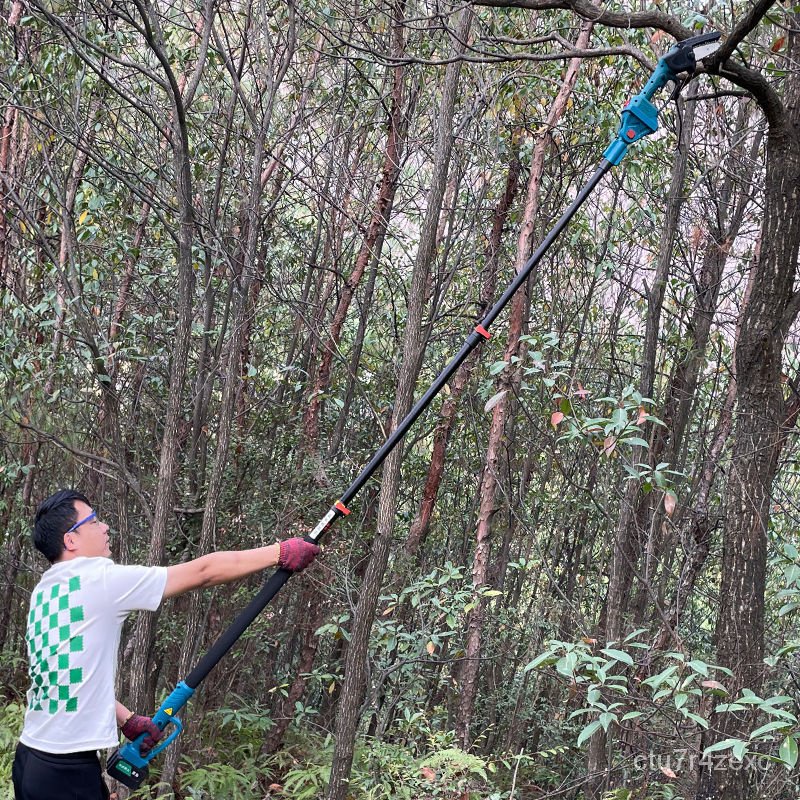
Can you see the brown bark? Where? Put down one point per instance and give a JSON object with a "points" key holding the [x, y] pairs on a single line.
{"points": [[507, 381], [758, 434], [7, 148], [354, 684], [699, 522], [271, 75], [628, 540], [308, 652], [441, 436], [142, 688], [668, 441], [369, 251]]}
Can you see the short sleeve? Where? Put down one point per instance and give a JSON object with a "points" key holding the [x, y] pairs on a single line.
{"points": [[136, 588]]}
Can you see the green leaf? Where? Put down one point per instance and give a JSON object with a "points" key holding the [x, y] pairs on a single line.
{"points": [[566, 665], [618, 655], [588, 732], [606, 719], [725, 744], [739, 750], [721, 709], [636, 440], [775, 725], [656, 680], [493, 401], [543, 660], [695, 718], [635, 633], [788, 751]]}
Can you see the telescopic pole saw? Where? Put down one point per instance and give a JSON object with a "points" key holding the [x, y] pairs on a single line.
{"points": [[639, 119]]}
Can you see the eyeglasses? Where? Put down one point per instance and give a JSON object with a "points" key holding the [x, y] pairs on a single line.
{"points": [[77, 525]]}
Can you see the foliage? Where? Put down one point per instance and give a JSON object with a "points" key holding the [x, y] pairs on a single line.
{"points": [[11, 716], [91, 255]]}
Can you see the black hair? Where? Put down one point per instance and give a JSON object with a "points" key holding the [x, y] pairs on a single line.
{"points": [[54, 517]]}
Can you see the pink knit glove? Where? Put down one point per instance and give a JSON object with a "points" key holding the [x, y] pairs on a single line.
{"points": [[136, 726], [296, 554]]}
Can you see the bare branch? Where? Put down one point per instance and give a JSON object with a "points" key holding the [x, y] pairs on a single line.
{"points": [[119, 469], [613, 19], [738, 34]]}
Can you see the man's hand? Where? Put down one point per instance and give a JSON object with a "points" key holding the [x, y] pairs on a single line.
{"points": [[136, 726], [296, 554]]}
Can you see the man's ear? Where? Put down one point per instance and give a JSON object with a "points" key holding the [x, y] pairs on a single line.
{"points": [[70, 543]]}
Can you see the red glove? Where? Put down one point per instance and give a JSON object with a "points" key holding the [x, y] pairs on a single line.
{"points": [[137, 725], [296, 554]]}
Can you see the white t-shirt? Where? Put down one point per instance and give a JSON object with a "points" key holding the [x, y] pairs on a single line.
{"points": [[74, 626]]}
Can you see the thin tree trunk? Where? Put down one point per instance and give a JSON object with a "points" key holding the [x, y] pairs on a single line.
{"points": [[242, 281], [758, 434], [355, 676], [441, 436], [508, 380], [375, 236], [142, 688]]}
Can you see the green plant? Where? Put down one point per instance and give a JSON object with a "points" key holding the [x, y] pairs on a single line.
{"points": [[223, 779], [11, 716], [609, 700]]}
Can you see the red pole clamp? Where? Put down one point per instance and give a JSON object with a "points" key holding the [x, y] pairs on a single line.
{"points": [[340, 506], [483, 332]]}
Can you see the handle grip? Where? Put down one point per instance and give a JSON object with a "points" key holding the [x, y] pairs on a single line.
{"points": [[127, 763]]}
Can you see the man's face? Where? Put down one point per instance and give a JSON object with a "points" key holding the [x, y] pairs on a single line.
{"points": [[88, 538]]}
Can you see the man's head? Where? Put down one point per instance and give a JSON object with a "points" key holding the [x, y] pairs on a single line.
{"points": [[66, 527]]}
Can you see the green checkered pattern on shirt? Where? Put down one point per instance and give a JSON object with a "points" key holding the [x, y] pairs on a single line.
{"points": [[52, 646]]}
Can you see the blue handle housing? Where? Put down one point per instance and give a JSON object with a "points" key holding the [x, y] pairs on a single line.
{"points": [[176, 700], [640, 116]]}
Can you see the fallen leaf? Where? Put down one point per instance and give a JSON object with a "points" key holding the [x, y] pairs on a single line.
{"points": [[555, 418], [668, 772], [428, 774], [669, 503]]}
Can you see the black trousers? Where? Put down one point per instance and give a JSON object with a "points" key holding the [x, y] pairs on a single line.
{"points": [[57, 776]]}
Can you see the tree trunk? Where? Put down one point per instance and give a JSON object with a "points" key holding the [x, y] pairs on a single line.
{"points": [[355, 677], [441, 436], [390, 174], [142, 689], [758, 435], [508, 381]]}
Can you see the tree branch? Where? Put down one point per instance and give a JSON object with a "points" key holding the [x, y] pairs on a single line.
{"points": [[738, 34], [119, 469], [767, 98], [601, 16]]}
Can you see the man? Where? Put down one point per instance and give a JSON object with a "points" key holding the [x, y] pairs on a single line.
{"points": [[74, 625]]}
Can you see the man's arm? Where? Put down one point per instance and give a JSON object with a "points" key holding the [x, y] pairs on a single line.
{"points": [[123, 714], [221, 567]]}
